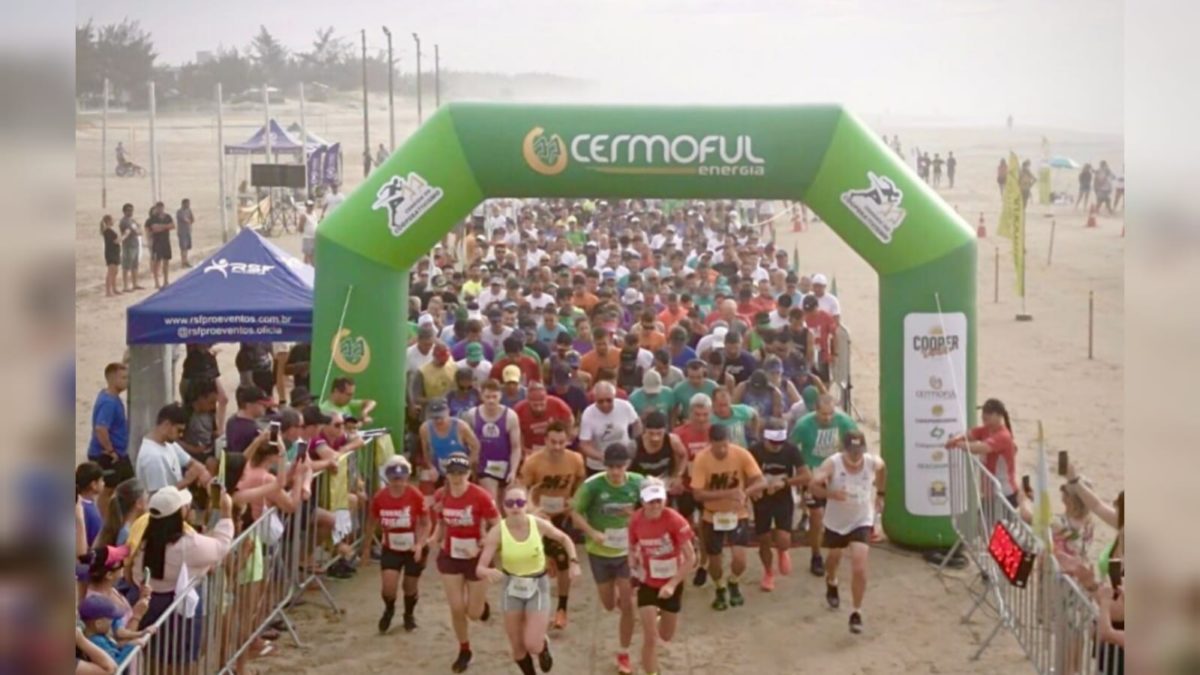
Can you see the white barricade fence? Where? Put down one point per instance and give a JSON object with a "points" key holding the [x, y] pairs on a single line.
{"points": [[1050, 616], [217, 625]]}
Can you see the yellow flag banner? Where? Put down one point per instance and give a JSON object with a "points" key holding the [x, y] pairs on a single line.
{"points": [[1012, 219], [1043, 510]]}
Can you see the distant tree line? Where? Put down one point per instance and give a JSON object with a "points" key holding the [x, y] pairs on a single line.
{"points": [[124, 53]]}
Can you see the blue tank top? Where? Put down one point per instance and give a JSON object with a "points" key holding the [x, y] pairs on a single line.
{"points": [[444, 446], [762, 401], [494, 443]]}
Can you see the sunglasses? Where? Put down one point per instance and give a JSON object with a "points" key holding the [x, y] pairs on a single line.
{"points": [[515, 503]]}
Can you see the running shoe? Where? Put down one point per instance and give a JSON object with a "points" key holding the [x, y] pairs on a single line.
{"points": [[831, 596], [624, 665], [701, 577], [817, 566], [785, 562], [464, 659], [560, 619], [735, 595], [768, 582], [856, 623], [410, 623], [719, 603], [546, 659], [385, 621]]}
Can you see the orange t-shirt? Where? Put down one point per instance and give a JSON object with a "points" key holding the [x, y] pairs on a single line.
{"points": [[669, 320], [736, 470], [652, 340], [553, 478], [591, 363], [587, 301]]}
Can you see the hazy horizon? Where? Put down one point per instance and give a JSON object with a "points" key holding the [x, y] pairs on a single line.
{"points": [[1048, 64]]}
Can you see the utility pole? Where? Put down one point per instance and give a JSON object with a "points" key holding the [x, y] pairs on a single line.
{"points": [[391, 93], [366, 122], [437, 77], [221, 165], [417, 39], [153, 145], [104, 151]]}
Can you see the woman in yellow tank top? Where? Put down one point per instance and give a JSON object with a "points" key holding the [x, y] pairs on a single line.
{"points": [[525, 592]]}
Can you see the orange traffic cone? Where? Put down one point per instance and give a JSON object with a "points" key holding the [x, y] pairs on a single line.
{"points": [[1091, 221], [981, 230]]}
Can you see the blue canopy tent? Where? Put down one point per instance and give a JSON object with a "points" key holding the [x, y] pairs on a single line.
{"points": [[282, 142], [248, 291]]}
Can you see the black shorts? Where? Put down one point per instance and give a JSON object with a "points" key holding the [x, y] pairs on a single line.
{"points": [[832, 539], [117, 470], [403, 561], [685, 504], [554, 550], [160, 248], [814, 502], [715, 542], [647, 596], [774, 513]]}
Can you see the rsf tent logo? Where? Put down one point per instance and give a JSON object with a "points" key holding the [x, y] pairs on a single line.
{"points": [[406, 200], [643, 154], [225, 268], [877, 206]]}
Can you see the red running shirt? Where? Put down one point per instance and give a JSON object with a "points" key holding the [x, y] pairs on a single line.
{"points": [[659, 543], [398, 516], [464, 516]]}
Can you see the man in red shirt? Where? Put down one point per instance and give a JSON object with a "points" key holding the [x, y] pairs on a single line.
{"points": [[399, 510], [535, 414], [514, 356], [823, 327], [694, 435], [765, 300]]}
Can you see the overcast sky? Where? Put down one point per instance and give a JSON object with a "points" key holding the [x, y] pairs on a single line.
{"points": [[975, 61]]}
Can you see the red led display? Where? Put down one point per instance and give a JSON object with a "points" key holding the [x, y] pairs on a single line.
{"points": [[1015, 562]]}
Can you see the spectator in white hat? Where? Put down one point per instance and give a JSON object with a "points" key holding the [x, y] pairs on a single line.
{"points": [[826, 301]]}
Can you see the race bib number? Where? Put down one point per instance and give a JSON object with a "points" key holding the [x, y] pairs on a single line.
{"points": [[401, 541], [617, 537], [496, 469], [522, 588], [554, 505], [664, 569], [463, 549], [725, 521]]}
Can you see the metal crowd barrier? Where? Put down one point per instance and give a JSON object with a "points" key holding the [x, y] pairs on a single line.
{"points": [[1051, 617], [266, 572]]}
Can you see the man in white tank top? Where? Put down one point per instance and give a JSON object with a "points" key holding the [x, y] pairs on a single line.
{"points": [[853, 483]]}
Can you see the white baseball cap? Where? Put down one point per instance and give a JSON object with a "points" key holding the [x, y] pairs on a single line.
{"points": [[653, 492], [168, 501], [777, 435], [820, 280]]}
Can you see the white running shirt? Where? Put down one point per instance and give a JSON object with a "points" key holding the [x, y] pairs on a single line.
{"points": [[859, 508]]}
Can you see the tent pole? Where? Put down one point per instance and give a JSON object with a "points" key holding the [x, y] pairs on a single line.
{"points": [[153, 147], [303, 141], [221, 168], [267, 120], [104, 151]]}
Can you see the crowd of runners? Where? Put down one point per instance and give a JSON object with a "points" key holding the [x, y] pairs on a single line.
{"points": [[645, 382]]}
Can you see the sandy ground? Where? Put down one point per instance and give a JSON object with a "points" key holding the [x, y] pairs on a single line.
{"points": [[1039, 368]]}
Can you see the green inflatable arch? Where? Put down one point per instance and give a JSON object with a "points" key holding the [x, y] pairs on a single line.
{"points": [[822, 155]]}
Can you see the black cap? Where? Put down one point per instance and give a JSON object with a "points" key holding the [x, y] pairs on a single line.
{"points": [[457, 462], [718, 432], [313, 416], [655, 420], [810, 302], [616, 454], [854, 440], [438, 408]]}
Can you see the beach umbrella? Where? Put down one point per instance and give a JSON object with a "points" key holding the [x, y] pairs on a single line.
{"points": [[1062, 163]]}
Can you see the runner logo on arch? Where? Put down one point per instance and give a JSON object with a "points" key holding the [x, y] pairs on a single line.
{"points": [[878, 206], [406, 200]]}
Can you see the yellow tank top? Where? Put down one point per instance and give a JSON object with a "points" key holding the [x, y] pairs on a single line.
{"points": [[522, 558]]}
